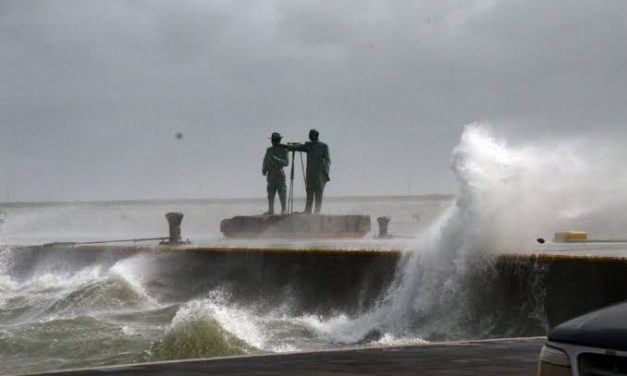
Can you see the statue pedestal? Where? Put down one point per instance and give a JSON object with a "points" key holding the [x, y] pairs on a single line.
{"points": [[296, 226]]}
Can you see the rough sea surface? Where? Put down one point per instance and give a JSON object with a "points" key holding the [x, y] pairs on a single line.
{"points": [[58, 311]]}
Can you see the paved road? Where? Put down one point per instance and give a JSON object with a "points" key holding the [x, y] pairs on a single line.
{"points": [[500, 357]]}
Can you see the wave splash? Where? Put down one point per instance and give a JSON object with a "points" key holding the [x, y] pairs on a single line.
{"points": [[507, 197]]}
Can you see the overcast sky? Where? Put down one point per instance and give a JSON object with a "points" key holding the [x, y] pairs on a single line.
{"points": [[93, 92]]}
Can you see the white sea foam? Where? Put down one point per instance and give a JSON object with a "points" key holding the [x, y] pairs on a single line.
{"points": [[132, 271], [239, 322], [63, 293], [7, 285], [389, 340], [63, 280]]}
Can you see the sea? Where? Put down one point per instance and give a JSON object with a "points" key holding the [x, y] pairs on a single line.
{"points": [[60, 311]]}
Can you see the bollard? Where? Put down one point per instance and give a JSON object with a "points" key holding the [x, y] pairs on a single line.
{"points": [[383, 227], [174, 221]]}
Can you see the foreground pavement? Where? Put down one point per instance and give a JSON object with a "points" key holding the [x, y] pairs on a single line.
{"points": [[491, 357]]}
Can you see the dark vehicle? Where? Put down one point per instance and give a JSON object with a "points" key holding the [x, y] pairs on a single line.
{"points": [[589, 345]]}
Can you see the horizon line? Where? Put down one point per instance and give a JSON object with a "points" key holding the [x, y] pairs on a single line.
{"points": [[441, 196]]}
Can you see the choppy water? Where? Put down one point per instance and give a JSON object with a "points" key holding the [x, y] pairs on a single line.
{"points": [[59, 309]]}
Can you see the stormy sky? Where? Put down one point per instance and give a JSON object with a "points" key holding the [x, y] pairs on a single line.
{"points": [[93, 92]]}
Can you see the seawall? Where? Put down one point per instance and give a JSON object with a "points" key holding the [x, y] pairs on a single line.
{"points": [[571, 284], [527, 292]]}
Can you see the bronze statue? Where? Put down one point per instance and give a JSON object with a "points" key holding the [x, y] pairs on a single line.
{"points": [[273, 162], [318, 163]]}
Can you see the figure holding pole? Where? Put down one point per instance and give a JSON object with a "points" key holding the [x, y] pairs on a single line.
{"points": [[318, 164], [290, 198]]}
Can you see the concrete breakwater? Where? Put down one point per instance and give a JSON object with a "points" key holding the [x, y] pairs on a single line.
{"points": [[315, 281], [534, 291], [571, 284]]}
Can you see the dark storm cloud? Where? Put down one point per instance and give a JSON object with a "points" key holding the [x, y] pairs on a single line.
{"points": [[92, 92]]}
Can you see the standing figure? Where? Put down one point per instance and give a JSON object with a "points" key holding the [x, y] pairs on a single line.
{"points": [[318, 163], [273, 162]]}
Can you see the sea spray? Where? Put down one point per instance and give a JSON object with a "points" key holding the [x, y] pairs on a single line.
{"points": [[6, 282], [132, 270], [506, 197], [428, 297]]}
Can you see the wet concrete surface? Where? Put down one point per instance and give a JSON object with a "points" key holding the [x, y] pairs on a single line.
{"points": [[507, 357]]}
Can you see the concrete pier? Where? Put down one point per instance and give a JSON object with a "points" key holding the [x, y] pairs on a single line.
{"points": [[508, 357]]}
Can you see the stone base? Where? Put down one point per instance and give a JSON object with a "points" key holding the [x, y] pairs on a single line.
{"points": [[296, 226]]}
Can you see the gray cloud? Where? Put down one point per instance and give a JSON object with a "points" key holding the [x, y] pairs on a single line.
{"points": [[92, 92]]}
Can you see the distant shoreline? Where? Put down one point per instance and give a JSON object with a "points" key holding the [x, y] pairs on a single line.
{"points": [[426, 197]]}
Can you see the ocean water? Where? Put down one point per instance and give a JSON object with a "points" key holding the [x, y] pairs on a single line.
{"points": [[59, 310], [54, 222]]}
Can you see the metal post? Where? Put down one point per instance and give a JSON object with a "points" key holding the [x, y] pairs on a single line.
{"points": [[174, 222], [290, 205], [383, 227]]}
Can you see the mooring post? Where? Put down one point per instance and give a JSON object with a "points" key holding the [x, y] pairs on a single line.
{"points": [[383, 226], [174, 222]]}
